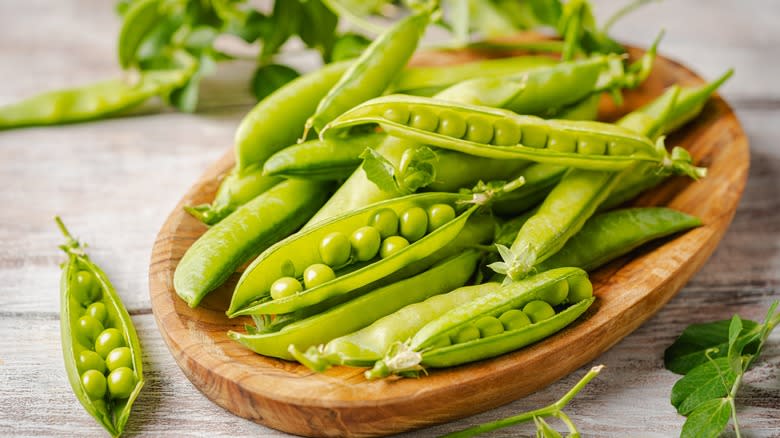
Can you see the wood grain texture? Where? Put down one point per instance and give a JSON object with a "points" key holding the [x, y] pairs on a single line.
{"points": [[115, 181], [340, 402]]}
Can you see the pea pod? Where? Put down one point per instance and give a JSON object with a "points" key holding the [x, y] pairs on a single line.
{"points": [[546, 232], [290, 257], [270, 126], [370, 344], [362, 311], [99, 343], [251, 229], [92, 101], [497, 133], [442, 342], [373, 71], [330, 159], [539, 180], [428, 81]]}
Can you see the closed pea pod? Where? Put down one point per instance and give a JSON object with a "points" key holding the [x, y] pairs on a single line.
{"points": [[252, 228], [373, 71], [426, 349], [86, 368]]}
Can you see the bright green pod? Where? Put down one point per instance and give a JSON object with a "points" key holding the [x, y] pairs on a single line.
{"points": [[539, 180], [372, 72], [362, 311], [329, 159], [521, 145], [251, 294], [424, 349], [244, 234], [111, 413], [93, 101]]}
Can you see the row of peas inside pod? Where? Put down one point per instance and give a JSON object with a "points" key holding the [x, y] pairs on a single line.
{"points": [[385, 234]]}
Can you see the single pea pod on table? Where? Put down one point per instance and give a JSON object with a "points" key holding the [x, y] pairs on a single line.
{"points": [[99, 344], [355, 314], [350, 251], [498, 133], [510, 317]]}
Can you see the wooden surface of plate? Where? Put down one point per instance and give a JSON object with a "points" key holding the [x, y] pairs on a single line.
{"points": [[340, 402]]}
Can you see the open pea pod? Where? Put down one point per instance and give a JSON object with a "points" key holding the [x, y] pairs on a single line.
{"points": [[99, 344], [355, 314], [288, 259], [499, 133], [505, 319]]}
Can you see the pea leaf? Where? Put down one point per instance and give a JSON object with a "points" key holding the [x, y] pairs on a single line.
{"points": [[689, 349], [139, 19], [417, 169], [379, 170], [268, 78], [708, 420], [286, 18], [318, 27], [707, 381], [348, 46], [735, 349]]}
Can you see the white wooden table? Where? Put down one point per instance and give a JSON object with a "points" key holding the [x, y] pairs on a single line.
{"points": [[114, 182]]}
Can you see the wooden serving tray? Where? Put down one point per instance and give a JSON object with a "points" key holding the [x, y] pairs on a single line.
{"points": [[340, 402]]}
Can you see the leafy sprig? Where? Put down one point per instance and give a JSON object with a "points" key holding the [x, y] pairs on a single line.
{"points": [[714, 358]]}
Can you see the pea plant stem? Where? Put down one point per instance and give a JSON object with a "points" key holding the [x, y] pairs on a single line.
{"points": [[553, 410]]}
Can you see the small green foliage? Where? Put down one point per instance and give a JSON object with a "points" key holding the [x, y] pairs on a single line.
{"points": [[416, 170], [714, 358]]}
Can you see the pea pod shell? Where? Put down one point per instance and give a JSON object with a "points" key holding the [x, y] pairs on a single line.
{"points": [[505, 342], [362, 311], [581, 131], [251, 294], [244, 234], [70, 311], [510, 296]]}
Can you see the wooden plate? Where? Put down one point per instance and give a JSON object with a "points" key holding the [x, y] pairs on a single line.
{"points": [[340, 402]]}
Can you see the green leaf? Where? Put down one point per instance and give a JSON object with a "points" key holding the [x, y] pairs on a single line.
{"points": [[547, 11], [254, 26], [735, 349], [688, 351], [417, 168], [707, 381], [379, 170], [708, 420], [139, 19], [268, 78], [348, 46], [318, 27], [286, 18]]}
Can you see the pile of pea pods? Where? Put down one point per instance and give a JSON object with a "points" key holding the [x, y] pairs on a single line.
{"points": [[403, 218]]}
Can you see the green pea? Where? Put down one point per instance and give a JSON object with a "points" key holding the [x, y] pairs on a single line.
{"points": [[365, 243], [89, 360], [468, 333], [441, 342], [385, 221], [424, 119], [621, 149], [452, 124], [398, 115], [108, 340], [285, 287], [489, 326], [89, 329], [479, 130], [100, 405], [556, 293], [392, 245], [538, 311], [438, 215], [119, 357], [514, 319], [562, 142], [335, 249], [317, 274], [287, 268], [121, 383], [591, 147], [86, 289], [580, 288], [98, 311], [534, 137], [506, 133], [414, 224], [94, 383]]}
